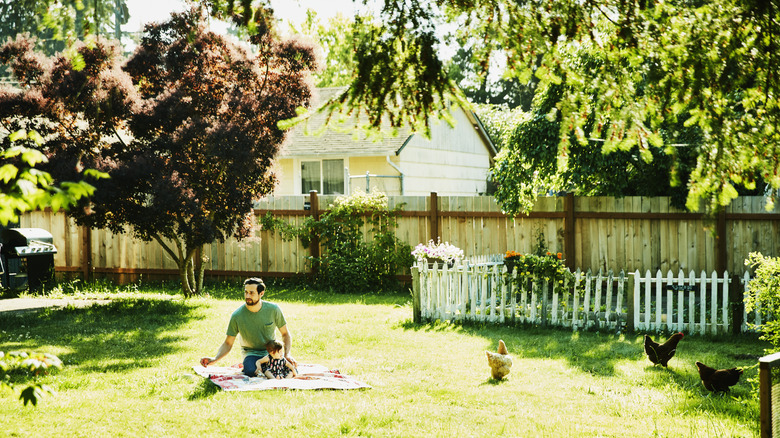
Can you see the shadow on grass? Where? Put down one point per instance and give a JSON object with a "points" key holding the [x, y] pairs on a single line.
{"points": [[493, 382], [123, 335], [204, 390]]}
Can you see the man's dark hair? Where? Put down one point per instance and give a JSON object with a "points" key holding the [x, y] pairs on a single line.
{"points": [[257, 281]]}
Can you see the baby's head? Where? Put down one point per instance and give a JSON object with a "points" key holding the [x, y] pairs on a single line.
{"points": [[274, 348]]}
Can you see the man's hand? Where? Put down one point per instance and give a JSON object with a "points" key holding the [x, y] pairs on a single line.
{"points": [[206, 361], [291, 360]]}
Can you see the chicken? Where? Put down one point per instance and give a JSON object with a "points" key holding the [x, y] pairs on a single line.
{"points": [[661, 353], [500, 362], [718, 380]]}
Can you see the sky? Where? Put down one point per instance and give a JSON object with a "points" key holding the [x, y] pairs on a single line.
{"points": [[144, 11]]}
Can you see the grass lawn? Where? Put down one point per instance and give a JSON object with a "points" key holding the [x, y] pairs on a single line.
{"points": [[128, 372]]}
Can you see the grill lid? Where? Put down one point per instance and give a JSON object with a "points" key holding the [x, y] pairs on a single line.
{"points": [[27, 241]]}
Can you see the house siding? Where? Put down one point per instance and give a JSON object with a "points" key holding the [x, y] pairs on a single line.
{"points": [[454, 162], [358, 166], [285, 173]]}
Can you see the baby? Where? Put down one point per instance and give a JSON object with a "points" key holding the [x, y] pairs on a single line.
{"points": [[275, 366]]}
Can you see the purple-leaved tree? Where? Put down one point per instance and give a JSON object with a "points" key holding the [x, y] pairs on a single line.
{"points": [[186, 129]]}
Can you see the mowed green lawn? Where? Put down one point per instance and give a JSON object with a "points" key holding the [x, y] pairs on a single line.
{"points": [[128, 372]]}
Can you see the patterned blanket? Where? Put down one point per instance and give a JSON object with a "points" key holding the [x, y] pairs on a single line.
{"points": [[309, 376]]}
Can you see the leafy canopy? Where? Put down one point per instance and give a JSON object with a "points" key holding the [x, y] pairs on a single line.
{"points": [[705, 64]]}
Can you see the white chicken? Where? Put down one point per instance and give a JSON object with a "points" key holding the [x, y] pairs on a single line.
{"points": [[500, 362]]}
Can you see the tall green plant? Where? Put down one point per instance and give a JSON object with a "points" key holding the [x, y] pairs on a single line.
{"points": [[361, 252], [764, 295]]}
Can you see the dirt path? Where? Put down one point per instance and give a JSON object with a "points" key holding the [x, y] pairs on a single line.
{"points": [[27, 304]]}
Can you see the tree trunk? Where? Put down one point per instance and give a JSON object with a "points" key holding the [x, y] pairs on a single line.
{"points": [[190, 264], [185, 285], [199, 269]]}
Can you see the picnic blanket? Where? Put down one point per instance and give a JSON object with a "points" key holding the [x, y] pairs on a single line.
{"points": [[310, 376]]}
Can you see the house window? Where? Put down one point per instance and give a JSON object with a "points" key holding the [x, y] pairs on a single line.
{"points": [[324, 176]]}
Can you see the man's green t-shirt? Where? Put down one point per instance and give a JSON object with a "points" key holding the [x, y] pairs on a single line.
{"points": [[256, 328]]}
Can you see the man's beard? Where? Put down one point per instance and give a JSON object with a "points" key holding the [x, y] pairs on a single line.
{"points": [[250, 302]]}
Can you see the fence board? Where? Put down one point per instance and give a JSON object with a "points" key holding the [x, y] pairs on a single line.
{"points": [[629, 233]]}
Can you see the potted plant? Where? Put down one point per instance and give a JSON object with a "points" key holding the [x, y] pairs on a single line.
{"points": [[437, 252]]}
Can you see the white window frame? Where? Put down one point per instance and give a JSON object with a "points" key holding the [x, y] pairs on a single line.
{"points": [[299, 174]]}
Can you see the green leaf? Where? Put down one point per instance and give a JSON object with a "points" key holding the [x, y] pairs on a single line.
{"points": [[18, 135], [33, 157], [8, 172]]}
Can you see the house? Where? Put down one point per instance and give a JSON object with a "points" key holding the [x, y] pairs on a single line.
{"points": [[453, 162]]}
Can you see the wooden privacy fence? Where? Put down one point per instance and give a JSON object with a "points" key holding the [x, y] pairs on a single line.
{"points": [[485, 292], [593, 233]]}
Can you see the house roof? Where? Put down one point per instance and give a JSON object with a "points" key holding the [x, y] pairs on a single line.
{"points": [[340, 139]]}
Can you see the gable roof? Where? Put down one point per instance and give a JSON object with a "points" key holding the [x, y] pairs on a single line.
{"points": [[304, 141], [334, 142]]}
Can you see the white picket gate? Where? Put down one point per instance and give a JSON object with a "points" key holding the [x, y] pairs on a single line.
{"points": [[691, 304], [482, 290]]}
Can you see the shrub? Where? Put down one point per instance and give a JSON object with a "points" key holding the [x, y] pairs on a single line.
{"points": [[549, 267], [765, 295], [352, 260]]}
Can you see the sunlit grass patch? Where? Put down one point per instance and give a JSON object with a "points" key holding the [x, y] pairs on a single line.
{"points": [[128, 372]]}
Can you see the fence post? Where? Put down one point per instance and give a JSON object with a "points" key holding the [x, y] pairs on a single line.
{"points": [[736, 303], [630, 296], [568, 231], [314, 246], [765, 365], [720, 242], [86, 251], [434, 216], [416, 306]]}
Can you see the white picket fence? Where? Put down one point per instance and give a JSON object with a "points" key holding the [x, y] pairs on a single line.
{"points": [[481, 290]]}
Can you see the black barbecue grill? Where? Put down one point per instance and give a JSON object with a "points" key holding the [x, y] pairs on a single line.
{"points": [[27, 256]]}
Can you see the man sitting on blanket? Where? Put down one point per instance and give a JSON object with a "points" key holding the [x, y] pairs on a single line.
{"points": [[256, 322]]}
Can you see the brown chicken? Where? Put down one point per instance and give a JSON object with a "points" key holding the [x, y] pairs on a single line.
{"points": [[500, 362], [718, 380], [661, 353]]}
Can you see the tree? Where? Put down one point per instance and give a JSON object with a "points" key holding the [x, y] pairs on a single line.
{"points": [[186, 129], [480, 87], [528, 163], [709, 64], [335, 39], [55, 22]]}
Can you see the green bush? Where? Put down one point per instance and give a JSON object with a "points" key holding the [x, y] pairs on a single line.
{"points": [[353, 260], [765, 295]]}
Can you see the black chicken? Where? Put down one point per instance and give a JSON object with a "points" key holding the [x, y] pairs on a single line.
{"points": [[661, 353], [718, 380]]}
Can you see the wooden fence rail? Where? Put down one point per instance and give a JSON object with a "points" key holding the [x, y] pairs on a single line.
{"points": [[597, 234], [486, 292]]}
